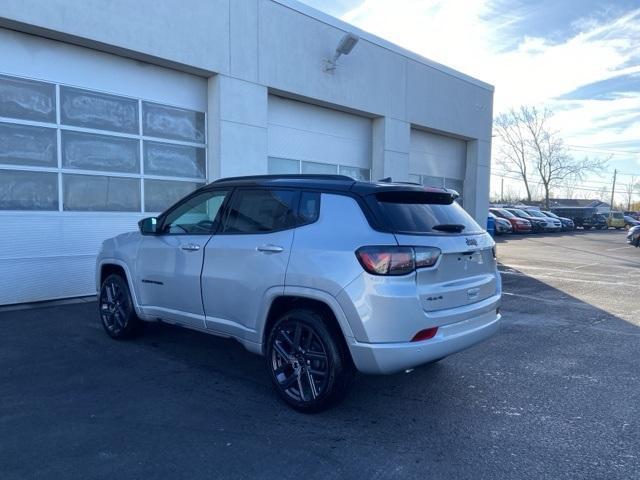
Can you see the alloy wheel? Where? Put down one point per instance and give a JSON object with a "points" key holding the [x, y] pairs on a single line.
{"points": [[114, 307], [299, 361]]}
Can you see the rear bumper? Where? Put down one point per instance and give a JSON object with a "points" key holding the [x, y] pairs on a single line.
{"points": [[386, 358]]}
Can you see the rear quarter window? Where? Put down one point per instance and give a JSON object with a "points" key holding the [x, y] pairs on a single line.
{"points": [[417, 212]]}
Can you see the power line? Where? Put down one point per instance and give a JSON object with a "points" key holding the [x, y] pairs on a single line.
{"points": [[533, 182], [597, 182], [604, 150]]}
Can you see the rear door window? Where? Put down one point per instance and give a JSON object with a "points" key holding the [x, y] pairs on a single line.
{"points": [[416, 212], [260, 211]]}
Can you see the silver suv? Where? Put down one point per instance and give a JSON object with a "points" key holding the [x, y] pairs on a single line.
{"points": [[323, 275]]}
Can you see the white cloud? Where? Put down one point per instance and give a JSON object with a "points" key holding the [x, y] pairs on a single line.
{"points": [[468, 36]]}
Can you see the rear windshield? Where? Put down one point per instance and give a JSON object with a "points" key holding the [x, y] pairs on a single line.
{"points": [[424, 212], [617, 215]]}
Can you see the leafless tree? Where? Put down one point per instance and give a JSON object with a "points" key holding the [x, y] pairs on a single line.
{"points": [[513, 147], [552, 161], [629, 190]]}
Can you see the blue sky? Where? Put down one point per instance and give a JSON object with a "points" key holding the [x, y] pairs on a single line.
{"points": [[579, 57]]}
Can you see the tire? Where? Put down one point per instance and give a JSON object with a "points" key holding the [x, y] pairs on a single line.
{"points": [[586, 228], [304, 350], [115, 307]]}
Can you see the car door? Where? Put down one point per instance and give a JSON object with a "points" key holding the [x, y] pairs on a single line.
{"points": [[246, 261], [169, 263]]}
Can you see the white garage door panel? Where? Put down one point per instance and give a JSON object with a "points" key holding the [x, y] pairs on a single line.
{"points": [[47, 255], [286, 142], [307, 132], [28, 55], [437, 155]]}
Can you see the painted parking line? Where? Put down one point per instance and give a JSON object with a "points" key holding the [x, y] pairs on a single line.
{"points": [[573, 279], [513, 268], [587, 265]]}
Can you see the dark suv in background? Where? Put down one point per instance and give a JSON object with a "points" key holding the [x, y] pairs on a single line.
{"points": [[585, 217]]}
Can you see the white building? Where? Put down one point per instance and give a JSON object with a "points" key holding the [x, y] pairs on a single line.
{"points": [[112, 109]]}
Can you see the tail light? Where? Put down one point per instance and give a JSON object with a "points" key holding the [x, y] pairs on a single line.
{"points": [[391, 260]]}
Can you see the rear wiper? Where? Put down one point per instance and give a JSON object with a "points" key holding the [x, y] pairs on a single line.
{"points": [[449, 227]]}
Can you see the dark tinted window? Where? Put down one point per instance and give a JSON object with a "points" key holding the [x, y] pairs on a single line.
{"points": [[424, 212], [309, 210], [260, 211]]}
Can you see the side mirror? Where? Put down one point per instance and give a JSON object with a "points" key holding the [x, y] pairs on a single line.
{"points": [[148, 226]]}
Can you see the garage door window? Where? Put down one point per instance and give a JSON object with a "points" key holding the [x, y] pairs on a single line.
{"points": [[440, 182], [23, 190], [73, 149], [289, 166]]}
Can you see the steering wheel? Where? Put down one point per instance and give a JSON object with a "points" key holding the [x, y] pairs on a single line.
{"points": [[205, 225]]}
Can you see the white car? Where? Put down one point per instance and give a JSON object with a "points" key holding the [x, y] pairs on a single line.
{"points": [[323, 275]]}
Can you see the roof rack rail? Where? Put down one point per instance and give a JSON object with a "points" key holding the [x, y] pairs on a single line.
{"points": [[288, 176]]}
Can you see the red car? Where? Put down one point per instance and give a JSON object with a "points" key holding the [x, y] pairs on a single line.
{"points": [[520, 225]]}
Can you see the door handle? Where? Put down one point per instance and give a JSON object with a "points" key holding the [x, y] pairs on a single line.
{"points": [[269, 248], [191, 247]]}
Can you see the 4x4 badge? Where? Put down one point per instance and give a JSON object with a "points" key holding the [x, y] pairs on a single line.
{"points": [[472, 242]]}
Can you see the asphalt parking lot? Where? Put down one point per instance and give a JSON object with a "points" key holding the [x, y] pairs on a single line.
{"points": [[555, 395]]}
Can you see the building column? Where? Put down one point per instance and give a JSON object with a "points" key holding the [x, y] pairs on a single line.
{"points": [[390, 149], [477, 179], [237, 127]]}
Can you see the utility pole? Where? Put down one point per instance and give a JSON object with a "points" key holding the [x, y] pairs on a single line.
{"points": [[613, 188], [502, 190]]}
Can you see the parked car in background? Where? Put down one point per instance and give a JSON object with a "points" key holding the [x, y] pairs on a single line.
{"points": [[314, 272], [633, 236], [615, 220], [601, 222], [630, 222], [502, 225], [491, 226], [538, 224], [567, 224], [584, 217], [632, 214], [553, 224], [519, 225]]}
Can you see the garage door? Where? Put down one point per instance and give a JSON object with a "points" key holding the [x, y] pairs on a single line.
{"points": [[89, 144], [437, 160], [305, 138]]}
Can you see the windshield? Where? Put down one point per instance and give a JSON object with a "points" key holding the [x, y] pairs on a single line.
{"points": [[422, 212], [520, 213], [551, 214], [504, 213], [617, 215], [535, 213]]}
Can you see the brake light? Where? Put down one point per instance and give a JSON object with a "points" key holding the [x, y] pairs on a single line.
{"points": [[389, 260]]}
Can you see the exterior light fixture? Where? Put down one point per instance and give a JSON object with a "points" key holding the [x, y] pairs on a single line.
{"points": [[348, 41]]}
